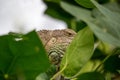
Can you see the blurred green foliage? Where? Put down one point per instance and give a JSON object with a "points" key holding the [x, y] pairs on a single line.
{"points": [[22, 56], [102, 17], [94, 53]]}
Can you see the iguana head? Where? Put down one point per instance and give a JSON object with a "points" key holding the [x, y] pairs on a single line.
{"points": [[56, 42]]}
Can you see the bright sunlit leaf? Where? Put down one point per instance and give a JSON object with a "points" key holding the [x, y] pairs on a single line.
{"points": [[78, 53]]}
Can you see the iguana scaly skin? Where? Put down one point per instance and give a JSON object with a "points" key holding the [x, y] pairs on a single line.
{"points": [[56, 42]]}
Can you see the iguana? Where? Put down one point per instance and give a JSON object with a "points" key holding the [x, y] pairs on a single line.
{"points": [[56, 42]]}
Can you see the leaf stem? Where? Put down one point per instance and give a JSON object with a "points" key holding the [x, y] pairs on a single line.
{"points": [[105, 60]]}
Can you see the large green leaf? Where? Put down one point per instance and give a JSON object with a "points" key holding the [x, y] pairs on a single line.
{"points": [[103, 34], [78, 53], [23, 58], [85, 3], [109, 25], [113, 6], [78, 12], [107, 31], [111, 19], [5, 53], [107, 13], [91, 76]]}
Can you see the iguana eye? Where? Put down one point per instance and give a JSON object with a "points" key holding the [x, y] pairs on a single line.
{"points": [[69, 33]]}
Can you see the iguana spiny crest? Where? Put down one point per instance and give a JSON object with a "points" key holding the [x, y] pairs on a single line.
{"points": [[56, 42]]}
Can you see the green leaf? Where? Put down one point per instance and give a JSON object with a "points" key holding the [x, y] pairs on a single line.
{"points": [[25, 58], [106, 28], [78, 53], [102, 34], [91, 76], [85, 3], [91, 65], [78, 12], [42, 76], [107, 13], [5, 53], [55, 1], [113, 6], [112, 17], [119, 71]]}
